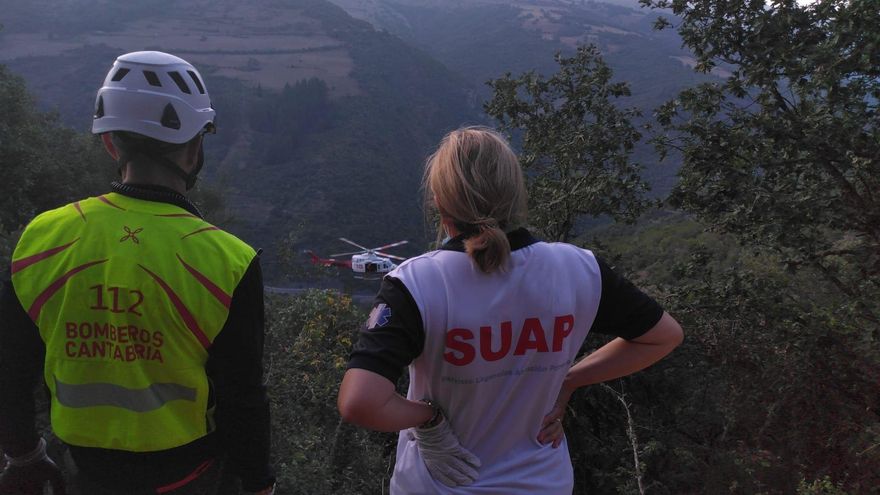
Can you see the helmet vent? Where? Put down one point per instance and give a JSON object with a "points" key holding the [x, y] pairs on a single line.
{"points": [[175, 76], [120, 74], [196, 80], [152, 78], [170, 118], [99, 108]]}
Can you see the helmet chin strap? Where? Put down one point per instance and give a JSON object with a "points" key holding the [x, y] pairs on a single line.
{"points": [[194, 175]]}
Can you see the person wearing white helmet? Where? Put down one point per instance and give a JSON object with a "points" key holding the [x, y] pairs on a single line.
{"points": [[145, 320], [154, 103]]}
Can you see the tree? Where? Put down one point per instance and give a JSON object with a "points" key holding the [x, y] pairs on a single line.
{"points": [[45, 165], [576, 142], [785, 153]]}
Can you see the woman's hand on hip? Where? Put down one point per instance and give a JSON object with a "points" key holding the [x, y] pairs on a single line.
{"points": [[551, 426]]}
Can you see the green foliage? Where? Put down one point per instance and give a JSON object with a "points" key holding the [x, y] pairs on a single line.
{"points": [[309, 338], [45, 165], [780, 352], [769, 387], [822, 486], [783, 156], [784, 153], [576, 142]]}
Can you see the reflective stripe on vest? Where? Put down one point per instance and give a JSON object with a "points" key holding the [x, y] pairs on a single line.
{"points": [[109, 394], [128, 296]]}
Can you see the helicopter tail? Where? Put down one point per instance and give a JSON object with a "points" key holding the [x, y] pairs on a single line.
{"points": [[315, 258]]}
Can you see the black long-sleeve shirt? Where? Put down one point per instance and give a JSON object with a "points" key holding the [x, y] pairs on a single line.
{"points": [[234, 368]]}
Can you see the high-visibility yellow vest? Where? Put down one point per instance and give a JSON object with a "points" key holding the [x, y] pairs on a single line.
{"points": [[128, 296]]}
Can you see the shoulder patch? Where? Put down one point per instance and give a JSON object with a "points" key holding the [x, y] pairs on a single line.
{"points": [[379, 316]]}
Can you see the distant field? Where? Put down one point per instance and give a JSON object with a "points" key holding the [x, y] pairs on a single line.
{"points": [[265, 46], [276, 70], [14, 46], [550, 22]]}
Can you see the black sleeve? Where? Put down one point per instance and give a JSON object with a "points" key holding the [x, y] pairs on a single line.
{"points": [[624, 310], [21, 361], [393, 335], [235, 367]]}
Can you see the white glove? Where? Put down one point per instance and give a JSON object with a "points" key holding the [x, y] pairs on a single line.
{"points": [[446, 460]]}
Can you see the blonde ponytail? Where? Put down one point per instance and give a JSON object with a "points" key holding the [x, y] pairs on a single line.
{"points": [[474, 178], [490, 248]]}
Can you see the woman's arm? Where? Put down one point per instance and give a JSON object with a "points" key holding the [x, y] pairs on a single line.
{"points": [[391, 339], [618, 358], [369, 400], [622, 357]]}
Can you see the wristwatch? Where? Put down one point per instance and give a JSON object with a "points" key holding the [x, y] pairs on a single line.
{"points": [[436, 419]]}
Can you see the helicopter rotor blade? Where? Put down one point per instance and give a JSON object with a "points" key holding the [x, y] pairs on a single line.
{"points": [[343, 239], [393, 244], [399, 258], [347, 254]]}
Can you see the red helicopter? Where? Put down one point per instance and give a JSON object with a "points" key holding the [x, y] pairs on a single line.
{"points": [[367, 263]]}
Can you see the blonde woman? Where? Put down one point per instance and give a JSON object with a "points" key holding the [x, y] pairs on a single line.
{"points": [[489, 326]]}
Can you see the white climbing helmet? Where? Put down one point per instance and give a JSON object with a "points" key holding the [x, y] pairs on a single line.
{"points": [[154, 94]]}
